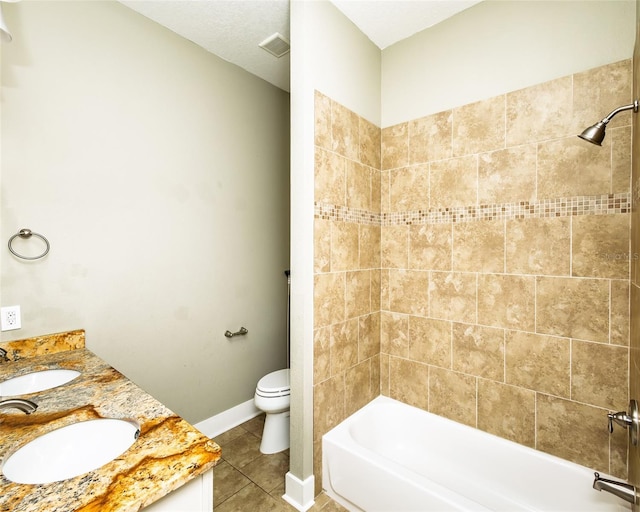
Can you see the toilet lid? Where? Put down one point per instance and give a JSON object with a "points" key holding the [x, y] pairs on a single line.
{"points": [[275, 383]]}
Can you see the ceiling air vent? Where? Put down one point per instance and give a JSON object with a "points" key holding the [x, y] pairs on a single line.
{"points": [[276, 45]]}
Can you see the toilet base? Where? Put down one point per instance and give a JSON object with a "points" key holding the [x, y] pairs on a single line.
{"points": [[275, 436]]}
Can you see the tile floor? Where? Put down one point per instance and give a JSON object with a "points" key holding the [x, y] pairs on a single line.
{"points": [[245, 480]]}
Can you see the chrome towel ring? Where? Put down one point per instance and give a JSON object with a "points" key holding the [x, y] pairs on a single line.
{"points": [[27, 233]]}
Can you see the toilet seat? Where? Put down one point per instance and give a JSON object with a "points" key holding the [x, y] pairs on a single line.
{"points": [[274, 384], [273, 397]]}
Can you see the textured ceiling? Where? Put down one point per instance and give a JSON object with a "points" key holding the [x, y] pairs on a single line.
{"points": [[232, 29]]}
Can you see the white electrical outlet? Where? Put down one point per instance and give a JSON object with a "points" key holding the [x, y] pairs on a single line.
{"points": [[10, 318]]}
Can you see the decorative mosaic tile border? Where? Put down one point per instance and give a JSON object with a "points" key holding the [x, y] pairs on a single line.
{"points": [[606, 204], [345, 214]]}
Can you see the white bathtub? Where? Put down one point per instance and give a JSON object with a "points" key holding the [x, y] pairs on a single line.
{"points": [[392, 457]]}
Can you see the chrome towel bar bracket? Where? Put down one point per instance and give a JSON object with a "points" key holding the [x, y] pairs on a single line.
{"points": [[241, 332], [26, 234]]}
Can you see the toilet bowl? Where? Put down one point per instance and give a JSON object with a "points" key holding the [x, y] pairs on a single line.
{"points": [[273, 397]]}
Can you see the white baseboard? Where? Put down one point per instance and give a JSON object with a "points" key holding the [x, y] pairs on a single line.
{"points": [[216, 425], [299, 494]]}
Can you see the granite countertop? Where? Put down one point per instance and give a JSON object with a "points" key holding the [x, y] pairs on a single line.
{"points": [[168, 453]]}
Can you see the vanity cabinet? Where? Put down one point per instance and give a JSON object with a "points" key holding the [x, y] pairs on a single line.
{"points": [[194, 496]]}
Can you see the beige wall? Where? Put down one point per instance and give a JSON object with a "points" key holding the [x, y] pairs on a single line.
{"points": [[500, 46], [330, 55], [159, 173]]}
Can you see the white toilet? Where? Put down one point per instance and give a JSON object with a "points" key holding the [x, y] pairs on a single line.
{"points": [[273, 397]]}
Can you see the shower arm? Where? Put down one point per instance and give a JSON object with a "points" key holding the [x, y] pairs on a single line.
{"points": [[633, 106]]}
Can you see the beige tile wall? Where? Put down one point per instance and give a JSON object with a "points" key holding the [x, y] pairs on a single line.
{"points": [[347, 267], [634, 363], [478, 262]]}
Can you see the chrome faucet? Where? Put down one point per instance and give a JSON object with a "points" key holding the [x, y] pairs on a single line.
{"points": [[26, 406], [3, 356], [622, 490]]}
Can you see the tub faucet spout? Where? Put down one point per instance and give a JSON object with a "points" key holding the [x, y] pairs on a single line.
{"points": [[622, 490], [26, 406]]}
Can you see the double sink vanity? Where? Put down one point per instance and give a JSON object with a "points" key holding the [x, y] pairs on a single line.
{"points": [[95, 441]]}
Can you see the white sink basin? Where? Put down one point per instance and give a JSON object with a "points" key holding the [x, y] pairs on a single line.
{"points": [[70, 451], [36, 381]]}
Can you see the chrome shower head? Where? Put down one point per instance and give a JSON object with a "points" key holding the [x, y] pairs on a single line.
{"points": [[595, 134]]}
